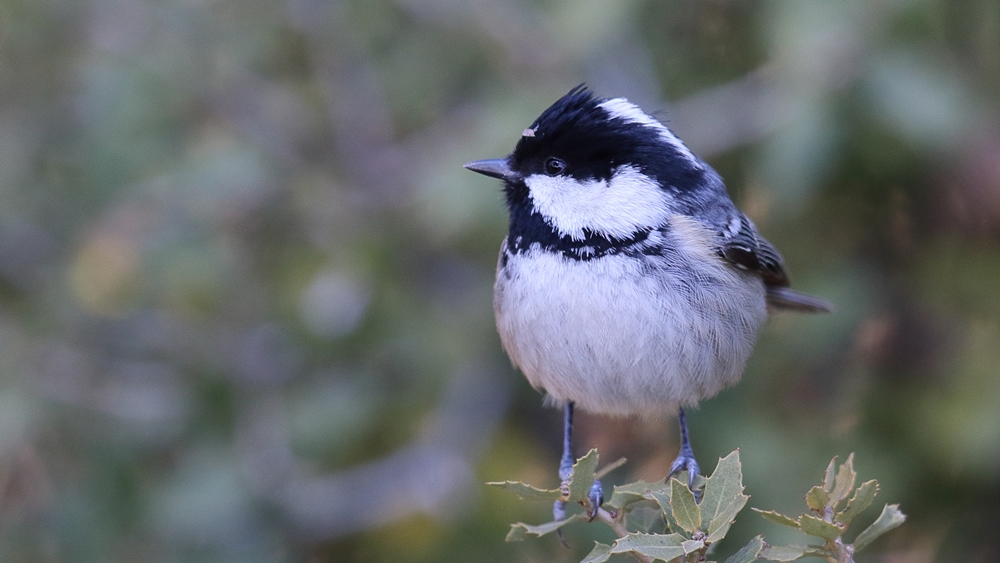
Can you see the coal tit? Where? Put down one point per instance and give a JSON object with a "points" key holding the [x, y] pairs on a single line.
{"points": [[628, 283]]}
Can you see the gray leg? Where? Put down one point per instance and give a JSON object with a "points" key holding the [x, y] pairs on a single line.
{"points": [[566, 470], [685, 458]]}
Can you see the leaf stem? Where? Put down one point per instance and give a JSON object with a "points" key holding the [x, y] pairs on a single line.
{"points": [[845, 553], [620, 531]]}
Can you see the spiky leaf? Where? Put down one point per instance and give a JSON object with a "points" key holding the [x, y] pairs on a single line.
{"points": [[657, 546], [633, 492], [691, 546], [817, 499], [723, 496], [600, 554], [844, 482], [519, 531], [776, 517], [527, 492], [684, 507], [791, 552], [583, 476], [890, 518], [828, 477], [862, 499], [749, 553], [644, 518], [662, 498], [819, 527]]}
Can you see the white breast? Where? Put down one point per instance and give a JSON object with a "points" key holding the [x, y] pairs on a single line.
{"points": [[621, 336]]}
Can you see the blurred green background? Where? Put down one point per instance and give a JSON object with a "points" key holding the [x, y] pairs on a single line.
{"points": [[245, 283]]}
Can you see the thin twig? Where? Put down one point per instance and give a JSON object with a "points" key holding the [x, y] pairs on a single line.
{"points": [[609, 468], [620, 530]]}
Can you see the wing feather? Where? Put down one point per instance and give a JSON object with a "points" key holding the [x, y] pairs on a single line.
{"points": [[743, 246]]}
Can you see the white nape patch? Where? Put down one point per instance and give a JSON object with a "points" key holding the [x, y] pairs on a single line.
{"points": [[631, 113], [735, 224], [630, 201], [529, 132]]}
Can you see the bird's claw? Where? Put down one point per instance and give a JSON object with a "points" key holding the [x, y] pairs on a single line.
{"points": [[596, 498], [686, 462], [593, 503], [685, 458]]}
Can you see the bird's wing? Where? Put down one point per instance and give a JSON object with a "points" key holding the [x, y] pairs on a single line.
{"points": [[743, 246]]}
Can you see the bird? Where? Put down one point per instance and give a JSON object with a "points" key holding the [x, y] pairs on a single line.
{"points": [[628, 283]]}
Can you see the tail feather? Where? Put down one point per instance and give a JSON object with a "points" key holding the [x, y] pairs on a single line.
{"points": [[789, 299]]}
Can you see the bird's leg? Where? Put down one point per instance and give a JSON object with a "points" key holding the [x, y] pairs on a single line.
{"points": [[566, 471], [685, 458]]}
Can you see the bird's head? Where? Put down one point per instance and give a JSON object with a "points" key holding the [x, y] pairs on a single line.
{"points": [[593, 166]]}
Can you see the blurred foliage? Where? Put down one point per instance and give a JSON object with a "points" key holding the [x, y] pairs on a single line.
{"points": [[245, 284]]}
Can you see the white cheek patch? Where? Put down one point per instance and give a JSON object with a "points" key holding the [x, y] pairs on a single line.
{"points": [[629, 202], [631, 113]]}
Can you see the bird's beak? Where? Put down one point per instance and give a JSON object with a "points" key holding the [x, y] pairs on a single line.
{"points": [[494, 168]]}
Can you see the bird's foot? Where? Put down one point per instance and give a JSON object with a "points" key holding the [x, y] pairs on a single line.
{"points": [[559, 514], [685, 462], [593, 503], [595, 498]]}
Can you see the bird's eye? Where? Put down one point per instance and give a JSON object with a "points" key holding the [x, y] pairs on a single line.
{"points": [[554, 166]]}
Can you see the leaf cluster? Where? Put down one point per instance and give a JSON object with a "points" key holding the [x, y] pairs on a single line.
{"points": [[686, 529], [667, 521], [831, 514]]}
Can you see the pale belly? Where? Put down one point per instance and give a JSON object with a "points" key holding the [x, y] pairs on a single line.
{"points": [[619, 339]]}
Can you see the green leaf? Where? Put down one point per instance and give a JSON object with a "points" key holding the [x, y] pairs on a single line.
{"points": [[527, 492], [890, 518], [657, 546], [519, 531], [600, 554], [691, 546], [820, 528], [723, 496], [776, 517], [843, 483], [791, 552], [784, 552], [583, 476], [662, 498], [634, 492], [828, 477], [862, 499], [645, 518], [749, 553], [817, 498], [684, 507]]}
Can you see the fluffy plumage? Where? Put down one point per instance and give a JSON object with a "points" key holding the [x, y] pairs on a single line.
{"points": [[628, 282]]}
